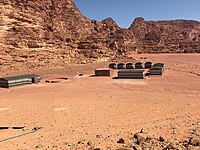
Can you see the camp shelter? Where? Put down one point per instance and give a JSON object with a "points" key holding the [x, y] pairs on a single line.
{"points": [[129, 66], [103, 72], [130, 73], [156, 70], [148, 65], [159, 65], [7, 82], [138, 65], [121, 66], [113, 66]]}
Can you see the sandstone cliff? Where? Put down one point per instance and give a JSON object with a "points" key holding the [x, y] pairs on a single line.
{"points": [[50, 33], [175, 36], [40, 32]]}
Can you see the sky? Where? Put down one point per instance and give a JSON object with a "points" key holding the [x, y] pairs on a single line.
{"points": [[125, 11]]}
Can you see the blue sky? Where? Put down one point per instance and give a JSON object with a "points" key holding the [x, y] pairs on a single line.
{"points": [[124, 11]]}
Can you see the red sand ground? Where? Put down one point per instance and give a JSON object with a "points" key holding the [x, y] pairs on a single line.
{"points": [[102, 109]]}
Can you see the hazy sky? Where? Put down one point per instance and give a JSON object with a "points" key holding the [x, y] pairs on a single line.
{"points": [[124, 11]]}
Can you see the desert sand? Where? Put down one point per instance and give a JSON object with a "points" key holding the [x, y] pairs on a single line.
{"points": [[86, 112]]}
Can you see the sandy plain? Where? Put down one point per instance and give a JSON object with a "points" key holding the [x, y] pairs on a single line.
{"points": [[101, 110]]}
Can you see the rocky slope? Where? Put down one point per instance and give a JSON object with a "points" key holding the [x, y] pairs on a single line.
{"points": [[166, 36], [40, 32], [50, 33]]}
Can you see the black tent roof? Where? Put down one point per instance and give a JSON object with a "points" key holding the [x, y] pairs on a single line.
{"points": [[138, 63], [19, 77], [131, 71]]}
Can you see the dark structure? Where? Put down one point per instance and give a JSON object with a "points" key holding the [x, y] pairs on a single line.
{"points": [[156, 70], [103, 72], [159, 65], [113, 66], [138, 65], [121, 66], [148, 65], [129, 66], [13, 81], [133, 74]]}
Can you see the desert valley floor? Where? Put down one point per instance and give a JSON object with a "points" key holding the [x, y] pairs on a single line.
{"points": [[101, 110]]}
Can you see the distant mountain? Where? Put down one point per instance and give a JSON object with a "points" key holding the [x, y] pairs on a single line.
{"points": [[50, 33], [173, 36]]}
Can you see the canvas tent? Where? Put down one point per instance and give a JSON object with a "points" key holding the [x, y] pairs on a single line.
{"points": [[148, 64], [156, 70], [113, 66], [130, 73], [103, 72], [121, 66], [159, 65], [7, 82], [138, 65], [129, 66]]}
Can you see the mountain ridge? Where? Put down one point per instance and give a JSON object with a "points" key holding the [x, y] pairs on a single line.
{"points": [[52, 33]]}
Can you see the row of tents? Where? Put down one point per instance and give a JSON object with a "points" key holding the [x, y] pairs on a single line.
{"points": [[136, 71], [137, 65]]}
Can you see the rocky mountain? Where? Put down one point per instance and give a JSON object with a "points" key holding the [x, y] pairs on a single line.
{"points": [[50, 33], [40, 32], [180, 36]]}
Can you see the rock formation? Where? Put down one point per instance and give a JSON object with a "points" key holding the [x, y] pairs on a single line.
{"points": [[176, 36], [40, 32], [50, 33]]}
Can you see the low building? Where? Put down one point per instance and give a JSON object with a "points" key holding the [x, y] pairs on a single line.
{"points": [[7, 82], [129, 66], [133, 74], [138, 65], [103, 72]]}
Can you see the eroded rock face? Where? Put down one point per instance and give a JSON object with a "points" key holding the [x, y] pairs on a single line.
{"points": [[50, 33], [41, 32], [181, 36]]}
